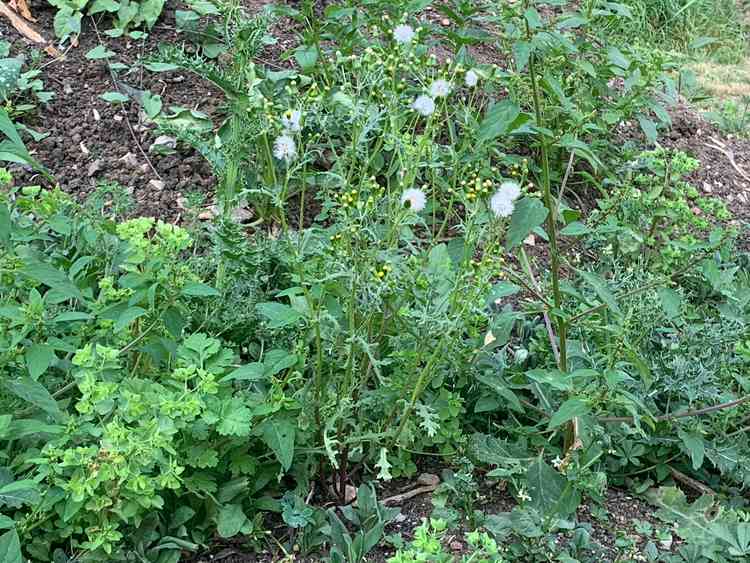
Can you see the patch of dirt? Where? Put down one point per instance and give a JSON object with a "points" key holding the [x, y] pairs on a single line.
{"points": [[91, 141], [623, 512], [716, 176]]}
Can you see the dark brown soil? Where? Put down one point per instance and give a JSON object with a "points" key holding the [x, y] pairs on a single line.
{"points": [[716, 176], [91, 141]]}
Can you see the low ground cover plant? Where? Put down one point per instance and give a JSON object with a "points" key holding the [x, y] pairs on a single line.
{"points": [[424, 273]]}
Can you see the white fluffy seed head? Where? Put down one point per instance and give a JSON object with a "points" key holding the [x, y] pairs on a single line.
{"points": [[292, 120], [501, 206], [415, 199], [403, 33], [502, 202], [284, 148], [471, 79], [424, 105], [511, 188], [440, 88]]}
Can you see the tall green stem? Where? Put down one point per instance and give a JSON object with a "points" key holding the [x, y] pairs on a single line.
{"points": [[560, 324]]}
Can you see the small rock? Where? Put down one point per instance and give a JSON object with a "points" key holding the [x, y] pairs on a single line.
{"points": [[456, 546], [530, 240], [83, 148], [94, 167], [96, 115], [428, 479], [206, 215], [163, 142], [144, 167], [67, 89], [156, 184], [707, 188], [130, 159], [399, 518], [182, 203], [117, 117], [242, 215], [350, 494], [445, 22]]}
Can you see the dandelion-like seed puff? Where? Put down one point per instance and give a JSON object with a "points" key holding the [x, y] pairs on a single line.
{"points": [[284, 148], [292, 121], [424, 105], [440, 88], [403, 34], [502, 202], [415, 198], [471, 79]]}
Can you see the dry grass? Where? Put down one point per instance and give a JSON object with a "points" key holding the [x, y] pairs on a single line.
{"points": [[724, 82]]}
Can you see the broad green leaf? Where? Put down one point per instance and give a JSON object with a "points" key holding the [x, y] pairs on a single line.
{"points": [[99, 52], [72, 316], [671, 302], [200, 290], [575, 229], [306, 56], [694, 522], [278, 314], [4, 425], [51, 277], [529, 213], [161, 67], [114, 97], [230, 520], [648, 127], [499, 387], [128, 316], [569, 410], [6, 523], [17, 493], [695, 445], [249, 372], [10, 548], [616, 57], [36, 394], [151, 104], [4, 225], [602, 291], [38, 358], [99, 6], [545, 486], [278, 434], [521, 53], [498, 120]]}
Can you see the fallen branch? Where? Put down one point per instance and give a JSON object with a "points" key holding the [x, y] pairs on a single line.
{"points": [[27, 30], [692, 483], [399, 499], [684, 414]]}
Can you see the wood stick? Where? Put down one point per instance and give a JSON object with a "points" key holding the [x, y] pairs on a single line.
{"points": [[692, 483], [26, 29]]}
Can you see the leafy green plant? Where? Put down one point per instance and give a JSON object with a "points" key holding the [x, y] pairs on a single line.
{"points": [[127, 14]]}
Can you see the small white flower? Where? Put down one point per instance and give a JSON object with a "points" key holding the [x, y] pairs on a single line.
{"points": [[424, 105], [471, 78], [284, 148], [415, 198], [292, 120], [523, 495], [403, 33], [557, 462], [440, 88]]}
